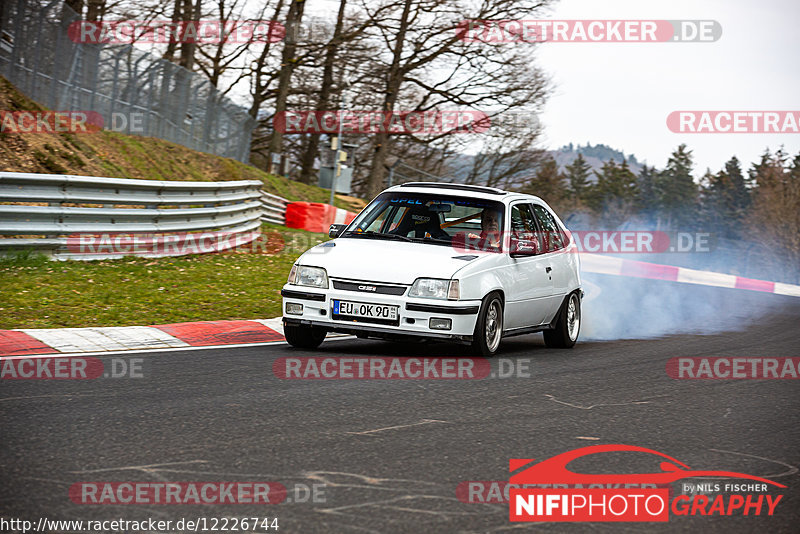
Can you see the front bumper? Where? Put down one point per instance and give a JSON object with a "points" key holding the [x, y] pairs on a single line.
{"points": [[414, 314]]}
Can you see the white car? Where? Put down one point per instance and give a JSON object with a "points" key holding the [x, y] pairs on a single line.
{"points": [[453, 262]]}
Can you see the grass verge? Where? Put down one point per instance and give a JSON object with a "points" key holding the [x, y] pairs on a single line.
{"points": [[38, 293], [115, 155]]}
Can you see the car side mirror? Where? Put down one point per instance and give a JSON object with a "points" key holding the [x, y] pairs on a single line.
{"points": [[336, 230], [523, 247]]}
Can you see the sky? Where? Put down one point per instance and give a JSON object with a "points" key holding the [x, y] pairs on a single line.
{"points": [[620, 94]]}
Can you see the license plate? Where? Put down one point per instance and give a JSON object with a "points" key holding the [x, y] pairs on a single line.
{"points": [[365, 310]]}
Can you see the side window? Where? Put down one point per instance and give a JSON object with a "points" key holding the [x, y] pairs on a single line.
{"points": [[523, 226], [554, 238]]}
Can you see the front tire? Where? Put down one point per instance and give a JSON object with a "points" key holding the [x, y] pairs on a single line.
{"points": [[304, 337], [568, 325], [489, 327]]}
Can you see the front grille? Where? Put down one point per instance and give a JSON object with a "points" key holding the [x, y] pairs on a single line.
{"points": [[365, 287]]}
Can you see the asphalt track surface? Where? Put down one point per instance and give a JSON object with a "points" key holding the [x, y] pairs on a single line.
{"points": [[392, 452]]}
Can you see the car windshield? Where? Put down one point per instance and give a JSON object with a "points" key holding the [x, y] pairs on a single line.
{"points": [[429, 218]]}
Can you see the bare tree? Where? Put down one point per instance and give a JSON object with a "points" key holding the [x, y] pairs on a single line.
{"points": [[423, 37], [288, 62], [507, 153], [311, 149], [95, 10], [260, 74], [74, 5]]}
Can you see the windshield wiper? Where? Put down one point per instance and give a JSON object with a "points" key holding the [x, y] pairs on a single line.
{"points": [[378, 235], [432, 240]]}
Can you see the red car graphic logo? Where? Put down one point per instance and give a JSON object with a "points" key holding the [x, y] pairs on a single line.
{"points": [[554, 470]]}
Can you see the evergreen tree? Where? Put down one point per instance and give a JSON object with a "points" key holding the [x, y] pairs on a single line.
{"points": [[547, 183], [794, 170], [774, 219], [709, 210], [740, 194], [677, 192], [726, 199], [578, 177], [623, 184], [648, 194], [770, 171], [615, 195]]}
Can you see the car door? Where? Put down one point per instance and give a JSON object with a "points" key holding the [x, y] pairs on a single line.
{"points": [[529, 286], [554, 251]]}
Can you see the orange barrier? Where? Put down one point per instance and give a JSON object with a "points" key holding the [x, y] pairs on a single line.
{"points": [[315, 217]]}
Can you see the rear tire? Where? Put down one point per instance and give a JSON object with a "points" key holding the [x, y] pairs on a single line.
{"points": [[489, 327], [568, 325], [304, 337]]}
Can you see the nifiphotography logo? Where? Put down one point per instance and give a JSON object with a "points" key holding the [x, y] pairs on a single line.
{"points": [[577, 497]]}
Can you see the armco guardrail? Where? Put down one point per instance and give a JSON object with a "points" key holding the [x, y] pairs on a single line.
{"points": [[274, 209], [88, 205]]}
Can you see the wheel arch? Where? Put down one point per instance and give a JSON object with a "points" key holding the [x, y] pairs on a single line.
{"points": [[561, 307], [500, 293]]}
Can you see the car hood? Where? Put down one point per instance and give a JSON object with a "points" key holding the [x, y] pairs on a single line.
{"points": [[380, 260]]}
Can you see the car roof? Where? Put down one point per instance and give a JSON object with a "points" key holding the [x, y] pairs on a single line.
{"points": [[466, 190]]}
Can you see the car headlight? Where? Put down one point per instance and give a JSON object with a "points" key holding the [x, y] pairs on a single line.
{"points": [[433, 288], [309, 276]]}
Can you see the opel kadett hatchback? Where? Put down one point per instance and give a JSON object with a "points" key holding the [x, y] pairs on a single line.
{"points": [[463, 263]]}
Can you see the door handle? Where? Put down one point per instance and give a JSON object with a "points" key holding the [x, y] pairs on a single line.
{"points": [[548, 269]]}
